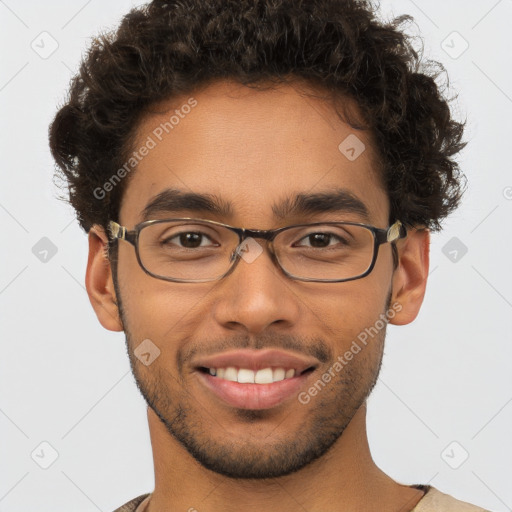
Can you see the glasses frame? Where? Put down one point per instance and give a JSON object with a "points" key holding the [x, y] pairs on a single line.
{"points": [[380, 236]]}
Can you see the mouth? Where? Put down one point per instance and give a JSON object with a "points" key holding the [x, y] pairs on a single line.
{"points": [[267, 375], [254, 379]]}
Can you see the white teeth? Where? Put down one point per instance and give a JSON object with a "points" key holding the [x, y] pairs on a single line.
{"points": [[278, 374], [247, 376], [289, 373], [231, 374], [264, 376]]}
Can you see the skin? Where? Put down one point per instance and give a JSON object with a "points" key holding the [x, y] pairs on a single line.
{"points": [[253, 148]]}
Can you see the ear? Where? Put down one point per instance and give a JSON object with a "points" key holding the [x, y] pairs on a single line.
{"points": [[410, 277], [99, 282]]}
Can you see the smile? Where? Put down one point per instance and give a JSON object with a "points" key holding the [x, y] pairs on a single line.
{"points": [[254, 379], [248, 376]]}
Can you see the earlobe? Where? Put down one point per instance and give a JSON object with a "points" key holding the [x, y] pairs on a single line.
{"points": [[99, 282], [410, 277]]}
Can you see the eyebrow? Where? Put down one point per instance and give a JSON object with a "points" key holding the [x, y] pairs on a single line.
{"points": [[171, 201]]}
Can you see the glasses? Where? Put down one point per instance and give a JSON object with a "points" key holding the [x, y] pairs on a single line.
{"points": [[191, 250]]}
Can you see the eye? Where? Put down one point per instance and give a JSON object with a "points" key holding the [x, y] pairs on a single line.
{"points": [[188, 240], [320, 240]]}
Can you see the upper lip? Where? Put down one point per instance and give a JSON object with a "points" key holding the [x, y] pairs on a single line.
{"points": [[257, 359]]}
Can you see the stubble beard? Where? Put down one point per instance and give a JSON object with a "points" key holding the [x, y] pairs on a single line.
{"points": [[250, 457]]}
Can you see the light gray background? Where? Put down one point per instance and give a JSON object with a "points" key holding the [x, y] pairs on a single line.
{"points": [[66, 381]]}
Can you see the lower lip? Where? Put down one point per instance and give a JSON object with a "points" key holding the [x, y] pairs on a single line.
{"points": [[253, 396]]}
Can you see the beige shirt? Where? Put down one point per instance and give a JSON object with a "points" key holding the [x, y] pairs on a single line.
{"points": [[436, 501], [432, 501]]}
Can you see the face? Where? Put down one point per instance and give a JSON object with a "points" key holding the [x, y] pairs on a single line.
{"points": [[253, 150]]}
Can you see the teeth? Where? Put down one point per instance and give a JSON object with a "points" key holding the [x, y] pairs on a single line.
{"points": [[264, 376], [278, 374], [231, 374], [246, 376]]}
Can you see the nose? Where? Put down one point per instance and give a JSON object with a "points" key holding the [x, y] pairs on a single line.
{"points": [[256, 294]]}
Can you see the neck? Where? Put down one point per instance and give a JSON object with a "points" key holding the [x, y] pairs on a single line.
{"points": [[345, 478]]}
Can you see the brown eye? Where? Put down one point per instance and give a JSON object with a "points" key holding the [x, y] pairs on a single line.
{"points": [[321, 240], [187, 240]]}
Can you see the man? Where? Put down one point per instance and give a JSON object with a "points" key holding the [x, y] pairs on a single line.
{"points": [[258, 179]]}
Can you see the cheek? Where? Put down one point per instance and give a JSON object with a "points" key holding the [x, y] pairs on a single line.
{"points": [[159, 310], [347, 308]]}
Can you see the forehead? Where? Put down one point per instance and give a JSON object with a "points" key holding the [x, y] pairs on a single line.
{"points": [[252, 149]]}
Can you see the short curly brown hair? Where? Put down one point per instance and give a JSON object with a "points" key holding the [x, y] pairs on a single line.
{"points": [[168, 48]]}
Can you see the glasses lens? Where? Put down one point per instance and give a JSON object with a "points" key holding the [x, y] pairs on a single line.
{"points": [[326, 251], [191, 250], [186, 250]]}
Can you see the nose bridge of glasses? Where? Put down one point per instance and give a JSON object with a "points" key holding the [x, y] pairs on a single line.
{"points": [[245, 234], [265, 234]]}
